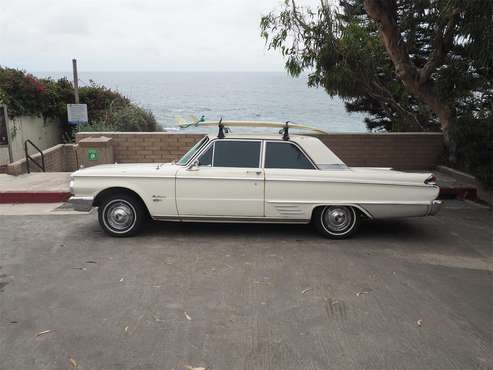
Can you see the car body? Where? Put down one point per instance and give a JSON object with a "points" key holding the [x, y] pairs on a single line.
{"points": [[253, 178]]}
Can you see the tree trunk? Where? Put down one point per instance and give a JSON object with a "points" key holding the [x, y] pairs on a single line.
{"points": [[416, 80]]}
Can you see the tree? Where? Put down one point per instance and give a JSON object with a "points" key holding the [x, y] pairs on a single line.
{"points": [[451, 23], [412, 64]]}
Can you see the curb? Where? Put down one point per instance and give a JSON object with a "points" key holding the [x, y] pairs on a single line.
{"points": [[34, 197], [460, 193]]}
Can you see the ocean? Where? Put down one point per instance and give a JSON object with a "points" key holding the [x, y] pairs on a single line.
{"points": [[269, 96]]}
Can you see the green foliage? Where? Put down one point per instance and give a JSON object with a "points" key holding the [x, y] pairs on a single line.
{"points": [[475, 147], [25, 94], [124, 118], [341, 50]]}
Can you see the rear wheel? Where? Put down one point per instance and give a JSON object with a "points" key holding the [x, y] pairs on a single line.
{"points": [[121, 215], [335, 222]]}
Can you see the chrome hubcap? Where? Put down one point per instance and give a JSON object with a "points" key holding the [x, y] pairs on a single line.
{"points": [[337, 219], [120, 215]]}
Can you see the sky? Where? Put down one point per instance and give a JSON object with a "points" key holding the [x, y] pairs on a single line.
{"points": [[137, 35]]}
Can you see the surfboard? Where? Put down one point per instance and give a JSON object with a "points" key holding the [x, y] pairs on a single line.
{"points": [[273, 124]]}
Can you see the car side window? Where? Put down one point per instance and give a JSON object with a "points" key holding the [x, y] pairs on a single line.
{"points": [[286, 155], [236, 153], [206, 158]]}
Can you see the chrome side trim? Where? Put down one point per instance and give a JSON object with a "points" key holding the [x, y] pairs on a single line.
{"points": [[430, 208], [348, 181], [220, 178], [150, 176], [230, 219], [349, 202], [81, 204]]}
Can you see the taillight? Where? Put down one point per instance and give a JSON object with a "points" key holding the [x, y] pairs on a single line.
{"points": [[431, 180]]}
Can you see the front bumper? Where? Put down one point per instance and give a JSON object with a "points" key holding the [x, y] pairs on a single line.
{"points": [[82, 204], [435, 207]]}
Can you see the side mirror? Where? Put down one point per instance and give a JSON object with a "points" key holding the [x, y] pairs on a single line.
{"points": [[194, 166]]}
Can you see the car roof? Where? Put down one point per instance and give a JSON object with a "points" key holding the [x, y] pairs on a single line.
{"points": [[312, 145]]}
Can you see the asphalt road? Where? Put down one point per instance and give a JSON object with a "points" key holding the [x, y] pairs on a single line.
{"points": [[407, 294]]}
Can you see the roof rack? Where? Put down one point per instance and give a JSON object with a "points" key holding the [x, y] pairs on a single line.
{"points": [[224, 126]]}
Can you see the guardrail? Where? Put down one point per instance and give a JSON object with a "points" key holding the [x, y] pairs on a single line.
{"points": [[28, 157]]}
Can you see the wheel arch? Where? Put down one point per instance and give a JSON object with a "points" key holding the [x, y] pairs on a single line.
{"points": [[117, 190], [356, 207]]}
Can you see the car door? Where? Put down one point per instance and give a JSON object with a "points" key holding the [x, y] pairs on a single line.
{"points": [[288, 185], [227, 182]]}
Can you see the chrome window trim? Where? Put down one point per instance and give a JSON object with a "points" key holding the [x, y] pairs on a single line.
{"points": [[205, 151], [263, 150], [194, 156], [213, 141], [315, 167]]}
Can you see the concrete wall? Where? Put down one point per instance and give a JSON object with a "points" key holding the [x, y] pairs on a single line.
{"points": [[60, 158], [44, 134], [4, 154], [398, 150]]}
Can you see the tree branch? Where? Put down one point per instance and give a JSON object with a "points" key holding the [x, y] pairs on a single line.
{"points": [[441, 45], [385, 14], [298, 18]]}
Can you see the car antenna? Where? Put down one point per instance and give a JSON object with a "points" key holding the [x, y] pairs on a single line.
{"points": [[220, 134], [285, 131]]}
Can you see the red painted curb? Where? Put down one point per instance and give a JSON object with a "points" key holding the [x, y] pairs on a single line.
{"points": [[34, 197]]}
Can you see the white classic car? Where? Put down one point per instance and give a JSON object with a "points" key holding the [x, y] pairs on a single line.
{"points": [[252, 178]]}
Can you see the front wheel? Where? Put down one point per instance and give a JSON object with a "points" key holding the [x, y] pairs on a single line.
{"points": [[121, 215], [335, 222]]}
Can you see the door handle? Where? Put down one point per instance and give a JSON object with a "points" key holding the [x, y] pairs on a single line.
{"points": [[255, 172]]}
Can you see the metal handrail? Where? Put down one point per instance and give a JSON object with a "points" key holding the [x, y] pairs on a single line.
{"points": [[28, 157]]}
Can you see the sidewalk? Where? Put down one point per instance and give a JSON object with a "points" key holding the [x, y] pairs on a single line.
{"points": [[456, 184], [35, 187]]}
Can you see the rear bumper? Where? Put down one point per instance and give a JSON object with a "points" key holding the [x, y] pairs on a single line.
{"points": [[435, 207], [82, 204]]}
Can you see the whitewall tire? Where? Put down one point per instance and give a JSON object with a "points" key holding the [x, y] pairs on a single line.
{"points": [[121, 215], [336, 222]]}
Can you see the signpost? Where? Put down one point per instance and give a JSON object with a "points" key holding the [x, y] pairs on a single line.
{"points": [[77, 113]]}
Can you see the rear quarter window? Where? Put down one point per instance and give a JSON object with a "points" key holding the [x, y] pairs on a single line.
{"points": [[286, 155]]}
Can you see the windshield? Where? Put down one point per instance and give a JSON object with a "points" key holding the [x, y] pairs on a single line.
{"points": [[191, 152]]}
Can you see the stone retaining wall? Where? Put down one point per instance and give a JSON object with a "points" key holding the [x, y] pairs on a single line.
{"points": [[409, 151], [138, 147]]}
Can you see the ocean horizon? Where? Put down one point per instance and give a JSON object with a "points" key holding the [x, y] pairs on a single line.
{"points": [[269, 96]]}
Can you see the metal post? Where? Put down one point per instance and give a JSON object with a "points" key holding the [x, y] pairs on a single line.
{"points": [[9, 134], [76, 81]]}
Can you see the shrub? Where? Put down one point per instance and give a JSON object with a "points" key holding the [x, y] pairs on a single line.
{"points": [[474, 140], [126, 118], [25, 94]]}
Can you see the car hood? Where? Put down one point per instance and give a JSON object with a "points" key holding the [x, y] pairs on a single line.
{"points": [[129, 169]]}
